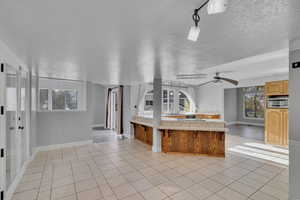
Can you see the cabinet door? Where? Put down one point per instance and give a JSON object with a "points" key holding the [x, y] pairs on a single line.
{"points": [[285, 87], [274, 88], [274, 126], [285, 128]]}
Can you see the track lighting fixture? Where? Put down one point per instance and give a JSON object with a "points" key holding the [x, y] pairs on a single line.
{"points": [[213, 7]]}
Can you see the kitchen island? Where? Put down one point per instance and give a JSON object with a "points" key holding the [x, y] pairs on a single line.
{"points": [[184, 135]]}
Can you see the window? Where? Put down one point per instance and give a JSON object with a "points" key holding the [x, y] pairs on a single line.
{"points": [[64, 99], [44, 99], [149, 101], [254, 102], [184, 103], [61, 100], [169, 101]]}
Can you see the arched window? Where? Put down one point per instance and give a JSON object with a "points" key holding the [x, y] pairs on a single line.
{"points": [[172, 101], [184, 103]]}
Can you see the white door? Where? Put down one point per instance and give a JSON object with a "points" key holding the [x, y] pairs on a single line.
{"points": [[2, 129], [11, 83], [13, 132]]}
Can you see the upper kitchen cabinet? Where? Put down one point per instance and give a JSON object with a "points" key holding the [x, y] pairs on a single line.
{"points": [[285, 87], [277, 88]]}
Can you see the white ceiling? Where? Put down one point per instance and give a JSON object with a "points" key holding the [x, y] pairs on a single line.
{"points": [[111, 41]]}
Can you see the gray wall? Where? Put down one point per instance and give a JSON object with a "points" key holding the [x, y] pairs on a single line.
{"points": [[240, 117], [99, 96], [230, 105], [66, 127], [127, 114]]}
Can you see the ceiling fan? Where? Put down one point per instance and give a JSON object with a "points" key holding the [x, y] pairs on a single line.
{"points": [[216, 79]]}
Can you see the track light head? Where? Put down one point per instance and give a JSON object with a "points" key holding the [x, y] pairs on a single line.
{"points": [[216, 6]]}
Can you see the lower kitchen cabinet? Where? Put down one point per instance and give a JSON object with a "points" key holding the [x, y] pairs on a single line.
{"points": [[277, 127]]}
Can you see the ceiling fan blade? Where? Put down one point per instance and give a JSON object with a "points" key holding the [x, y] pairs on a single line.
{"points": [[234, 82], [191, 76], [202, 84]]}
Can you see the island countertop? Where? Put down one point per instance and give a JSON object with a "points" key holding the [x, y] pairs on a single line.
{"points": [[215, 125]]}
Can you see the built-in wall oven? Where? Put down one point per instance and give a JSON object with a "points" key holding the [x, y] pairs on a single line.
{"points": [[278, 102]]}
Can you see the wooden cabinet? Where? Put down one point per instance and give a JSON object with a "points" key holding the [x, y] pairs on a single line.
{"points": [[285, 127], [285, 87], [143, 133], [276, 88], [198, 142], [277, 127]]}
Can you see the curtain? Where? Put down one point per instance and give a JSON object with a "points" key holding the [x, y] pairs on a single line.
{"points": [[108, 109], [120, 126], [114, 109], [139, 97]]}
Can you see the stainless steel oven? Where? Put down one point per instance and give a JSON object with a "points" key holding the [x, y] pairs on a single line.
{"points": [[278, 102]]}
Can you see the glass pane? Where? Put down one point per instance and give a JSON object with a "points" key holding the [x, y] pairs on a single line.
{"points": [[11, 133], [23, 118], [254, 105], [71, 99], [184, 103], [171, 101], [58, 100], [44, 99]]}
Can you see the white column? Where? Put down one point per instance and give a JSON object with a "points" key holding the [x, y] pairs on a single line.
{"points": [[294, 125], [157, 92]]}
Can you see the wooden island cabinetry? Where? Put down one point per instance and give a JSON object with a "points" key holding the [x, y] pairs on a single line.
{"points": [[143, 133], [205, 137], [198, 142]]}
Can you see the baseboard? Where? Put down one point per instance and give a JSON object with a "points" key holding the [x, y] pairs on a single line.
{"points": [[97, 125], [11, 190], [64, 145], [250, 124], [231, 123]]}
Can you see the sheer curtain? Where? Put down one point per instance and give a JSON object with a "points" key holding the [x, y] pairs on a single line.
{"points": [[114, 109]]}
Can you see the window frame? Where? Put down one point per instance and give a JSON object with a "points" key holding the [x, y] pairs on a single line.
{"points": [[50, 103], [176, 100], [244, 105]]}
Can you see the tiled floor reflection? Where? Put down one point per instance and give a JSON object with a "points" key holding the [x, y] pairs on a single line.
{"points": [[128, 170]]}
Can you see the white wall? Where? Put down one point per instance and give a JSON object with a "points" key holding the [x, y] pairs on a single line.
{"points": [[294, 126], [9, 57], [210, 98]]}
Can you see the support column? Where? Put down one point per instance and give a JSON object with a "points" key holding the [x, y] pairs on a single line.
{"points": [[157, 92], [294, 116]]}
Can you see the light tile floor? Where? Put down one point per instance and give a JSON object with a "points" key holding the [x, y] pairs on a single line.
{"points": [[128, 170]]}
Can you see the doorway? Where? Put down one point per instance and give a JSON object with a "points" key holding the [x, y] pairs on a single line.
{"points": [[14, 137]]}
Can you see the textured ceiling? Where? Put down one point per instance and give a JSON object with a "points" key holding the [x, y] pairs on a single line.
{"points": [[111, 41]]}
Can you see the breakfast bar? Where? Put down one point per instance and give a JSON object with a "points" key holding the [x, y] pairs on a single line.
{"points": [[197, 136]]}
